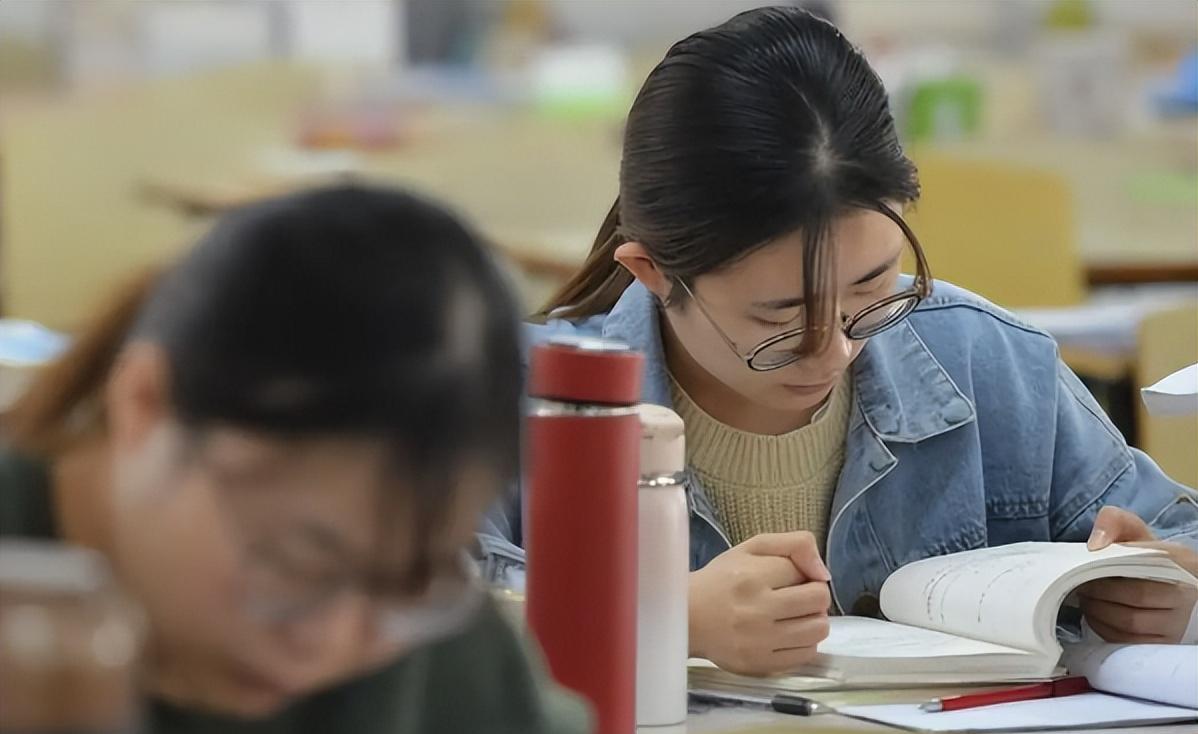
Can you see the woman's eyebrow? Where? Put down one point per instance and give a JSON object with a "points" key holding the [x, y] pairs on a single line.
{"points": [[781, 304]]}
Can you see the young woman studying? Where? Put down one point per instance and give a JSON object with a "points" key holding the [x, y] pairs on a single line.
{"points": [[842, 419], [283, 446]]}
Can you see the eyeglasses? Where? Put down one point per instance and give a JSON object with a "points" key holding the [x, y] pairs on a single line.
{"points": [[277, 592], [280, 588], [783, 349]]}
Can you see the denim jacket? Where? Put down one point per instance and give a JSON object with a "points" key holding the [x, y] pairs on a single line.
{"points": [[966, 430]]}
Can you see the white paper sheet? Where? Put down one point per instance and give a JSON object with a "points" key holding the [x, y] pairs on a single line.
{"points": [[1177, 394], [1164, 673], [1109, 322], [1085, 710]]}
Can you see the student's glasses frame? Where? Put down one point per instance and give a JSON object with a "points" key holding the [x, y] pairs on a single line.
{"points": [[782, 350], [277, 590]]}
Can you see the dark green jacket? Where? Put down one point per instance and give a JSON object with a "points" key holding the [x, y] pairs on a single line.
{"points": [[478, 681]]}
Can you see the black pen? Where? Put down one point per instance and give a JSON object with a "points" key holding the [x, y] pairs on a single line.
{"points": [[783, 703], [786, 703]]}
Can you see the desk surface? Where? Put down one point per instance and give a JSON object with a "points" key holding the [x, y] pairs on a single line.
{"points": [[732, 720]]}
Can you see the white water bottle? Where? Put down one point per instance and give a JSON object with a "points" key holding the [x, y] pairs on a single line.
{"points": [[663, 570]]}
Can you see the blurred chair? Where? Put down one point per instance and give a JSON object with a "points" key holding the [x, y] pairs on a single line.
{"points": [[1168, 341], [1002, 231]]}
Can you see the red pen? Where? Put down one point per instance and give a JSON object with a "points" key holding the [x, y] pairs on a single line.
{"points": [[1052, 689]]}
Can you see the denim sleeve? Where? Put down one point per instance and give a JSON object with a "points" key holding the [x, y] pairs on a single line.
{"points": [[500, 537], [1093, 466]]}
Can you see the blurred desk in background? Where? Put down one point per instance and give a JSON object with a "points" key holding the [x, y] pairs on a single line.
{"points": [[76, 171], [1105, 343], [196, 201], [1135, 198], [540, 187], [74, 218], [539, 184]]}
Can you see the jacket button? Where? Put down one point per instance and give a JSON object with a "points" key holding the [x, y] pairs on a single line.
{"points": [[956, 412], [866, 606]]}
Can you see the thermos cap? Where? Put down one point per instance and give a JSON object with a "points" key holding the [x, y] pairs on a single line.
{"points": [[585, 370], [663, 441]]}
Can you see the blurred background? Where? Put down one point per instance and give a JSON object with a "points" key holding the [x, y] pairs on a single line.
{"points": [[1057, 142]]}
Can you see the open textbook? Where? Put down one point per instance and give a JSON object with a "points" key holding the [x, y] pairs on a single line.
{"points": [[984, 615]]}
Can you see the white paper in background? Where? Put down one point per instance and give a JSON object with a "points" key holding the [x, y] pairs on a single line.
{"points": [[1163, 673], [1084, 710], [24, 346], [1109, 322], [1177, 394]]}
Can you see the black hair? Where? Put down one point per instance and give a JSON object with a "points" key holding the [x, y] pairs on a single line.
{"points": [[768, 124], [350, 310]]}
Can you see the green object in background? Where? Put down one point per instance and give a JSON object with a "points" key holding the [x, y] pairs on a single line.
{"points": [[1164, 187], [1069, 15], [581, 81], [583, 106], [941, 109]]}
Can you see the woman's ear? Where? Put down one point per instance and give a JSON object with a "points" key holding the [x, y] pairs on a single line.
{"points": [[636, 259], [137, 397]]}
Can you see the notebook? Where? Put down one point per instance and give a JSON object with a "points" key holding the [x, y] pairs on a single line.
{"points": [[985, 615]]}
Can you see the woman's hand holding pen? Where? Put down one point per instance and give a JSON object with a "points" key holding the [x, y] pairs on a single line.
{"points": [[760, 608]]}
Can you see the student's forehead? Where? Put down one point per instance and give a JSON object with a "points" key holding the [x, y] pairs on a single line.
{"points": [[864, 240], [352, 511], [340, 490], [284, 483]]}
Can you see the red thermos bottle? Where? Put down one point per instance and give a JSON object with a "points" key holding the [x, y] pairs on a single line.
{"points": [[583, 446]]}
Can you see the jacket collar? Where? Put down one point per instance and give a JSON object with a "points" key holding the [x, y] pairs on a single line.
{"points": [[903, 391]]}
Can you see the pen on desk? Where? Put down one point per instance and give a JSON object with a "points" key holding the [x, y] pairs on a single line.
{"points": [[1051, 689], [785, 703]]}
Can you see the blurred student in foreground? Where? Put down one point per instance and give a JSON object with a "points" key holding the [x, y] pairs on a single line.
{"points": [[283, 446]]}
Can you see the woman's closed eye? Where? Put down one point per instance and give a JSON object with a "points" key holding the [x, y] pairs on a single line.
{"points": [[771, 323], [778, 320]]}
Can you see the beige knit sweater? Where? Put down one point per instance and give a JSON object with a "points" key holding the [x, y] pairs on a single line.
{"points": [[769, 484]]}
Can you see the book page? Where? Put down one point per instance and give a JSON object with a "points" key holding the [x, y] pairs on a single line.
{"points": [[993, 593], [1162, 673], [875, 639], [1177, 394]]}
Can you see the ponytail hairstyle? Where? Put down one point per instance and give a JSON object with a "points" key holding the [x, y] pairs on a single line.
{"points": [[65, 402], [769, 124]]}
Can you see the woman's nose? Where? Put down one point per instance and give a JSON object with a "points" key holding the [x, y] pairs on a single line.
{"points": [[833, 358]]}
